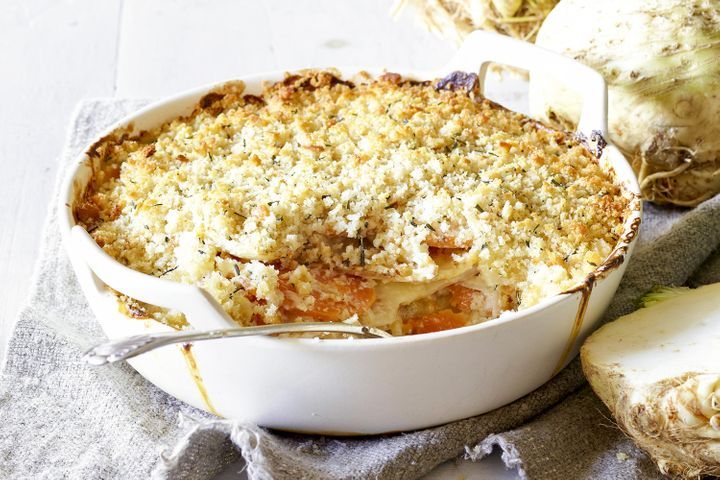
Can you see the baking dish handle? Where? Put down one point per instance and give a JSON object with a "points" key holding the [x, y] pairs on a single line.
{"points": [[482, 48], [200, 309]]}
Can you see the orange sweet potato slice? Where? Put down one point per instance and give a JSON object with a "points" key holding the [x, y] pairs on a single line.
{"points": [[435, 322], [465, 299], [336, 297]]}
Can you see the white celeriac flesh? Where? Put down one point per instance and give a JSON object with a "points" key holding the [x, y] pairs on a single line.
{"points": [[658, 371]]}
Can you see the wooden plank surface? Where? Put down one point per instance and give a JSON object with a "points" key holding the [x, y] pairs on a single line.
{"points": [[250, 37], [52, 54]]}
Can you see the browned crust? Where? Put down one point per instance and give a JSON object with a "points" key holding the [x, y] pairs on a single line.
{"points": [[231, 95]]}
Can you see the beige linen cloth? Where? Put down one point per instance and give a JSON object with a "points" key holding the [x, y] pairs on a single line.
{"points": [[63, 419]]}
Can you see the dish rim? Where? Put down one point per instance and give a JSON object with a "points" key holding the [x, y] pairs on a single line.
{"points": [[624, 174]]}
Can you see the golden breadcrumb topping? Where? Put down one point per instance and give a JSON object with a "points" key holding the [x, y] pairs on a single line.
{"points": [[325, 199]]}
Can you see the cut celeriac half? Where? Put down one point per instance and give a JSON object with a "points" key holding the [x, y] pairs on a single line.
{"points": [[658, 371]]}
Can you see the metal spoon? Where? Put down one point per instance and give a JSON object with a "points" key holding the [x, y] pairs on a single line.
{"points": [[128, 347]]}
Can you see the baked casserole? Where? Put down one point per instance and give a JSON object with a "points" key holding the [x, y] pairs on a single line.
{"points": [[409, 206]]}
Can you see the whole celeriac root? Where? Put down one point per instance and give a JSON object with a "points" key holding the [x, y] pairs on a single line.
{"points": [[660, 60]]}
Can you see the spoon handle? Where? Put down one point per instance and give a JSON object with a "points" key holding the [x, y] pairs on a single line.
{"points": [[128, 347]]}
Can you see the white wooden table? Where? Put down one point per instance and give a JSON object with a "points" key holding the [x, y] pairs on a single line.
{"points": [[53, 53]]}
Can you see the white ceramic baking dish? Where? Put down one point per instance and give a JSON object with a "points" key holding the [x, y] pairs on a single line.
{"points": [[357, 386]]}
